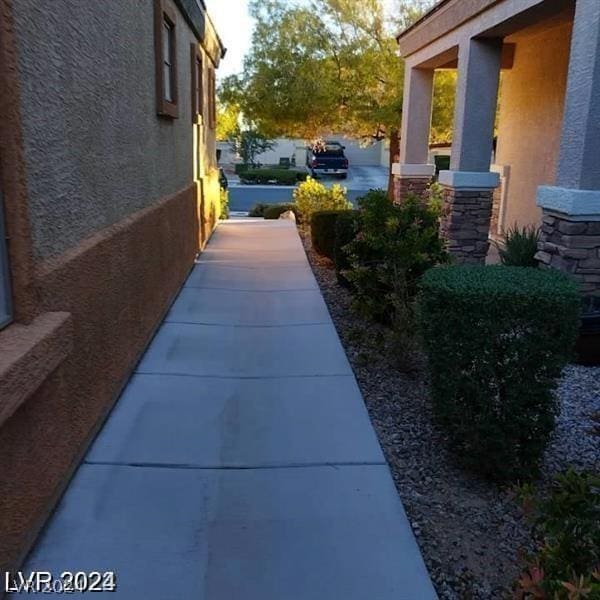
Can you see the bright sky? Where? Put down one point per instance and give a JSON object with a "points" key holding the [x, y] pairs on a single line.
{"points": [[235, 28]]}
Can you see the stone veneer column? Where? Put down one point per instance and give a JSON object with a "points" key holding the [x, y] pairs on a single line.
{"points": [[574, 247], [413, 174], [570, 237], [467, 213], [411, 179], [469, 185]]}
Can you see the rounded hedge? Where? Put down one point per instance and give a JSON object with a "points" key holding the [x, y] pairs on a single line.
{"points": [[497, 339], [279, 176], [276, 210], [322, 230]]}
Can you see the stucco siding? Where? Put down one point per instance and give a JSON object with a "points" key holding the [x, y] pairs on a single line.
{"points": [[531, 112], [95, 149]]}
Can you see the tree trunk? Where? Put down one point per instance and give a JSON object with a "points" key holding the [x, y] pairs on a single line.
{"points": [[394, 157]]}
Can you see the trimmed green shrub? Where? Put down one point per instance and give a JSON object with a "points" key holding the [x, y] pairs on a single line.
{"points": [[566, 530], [258, 210], [278, 176], [497, 339], [322, 230], [312, 196], [519, 247], [394, 246], [276, 210], [241, 168], [346, 228]]}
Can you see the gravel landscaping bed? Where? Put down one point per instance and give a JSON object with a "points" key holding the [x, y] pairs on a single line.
{"points": [[471, 532]]}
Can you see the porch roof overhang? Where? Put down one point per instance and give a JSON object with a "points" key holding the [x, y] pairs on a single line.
{"points": [[433, 40]]}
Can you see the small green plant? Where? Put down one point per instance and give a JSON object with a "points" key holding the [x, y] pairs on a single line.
{"points": [[566, 529], [497, 339], [519, 246], [394, 246], [435, 193], [224, 214], [322, 229], [312, 196]]}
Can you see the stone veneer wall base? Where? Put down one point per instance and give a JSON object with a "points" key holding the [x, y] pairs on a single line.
{"points": [[572, 246], [404, 186]]}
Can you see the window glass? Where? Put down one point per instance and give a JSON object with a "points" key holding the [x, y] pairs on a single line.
{"points": [[167, 42], [198, 85], [168, 61]]}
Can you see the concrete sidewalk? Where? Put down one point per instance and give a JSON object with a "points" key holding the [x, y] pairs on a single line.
{"points": [[240, 462]]}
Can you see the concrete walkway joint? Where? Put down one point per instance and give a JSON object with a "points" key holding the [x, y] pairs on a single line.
{"points": [[240, 462]]}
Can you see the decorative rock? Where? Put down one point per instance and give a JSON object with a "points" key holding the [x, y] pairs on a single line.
{"points": [[288, 215], [543, 257]]}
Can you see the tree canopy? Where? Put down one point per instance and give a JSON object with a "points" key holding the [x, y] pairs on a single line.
{"points": [[323, 66]]}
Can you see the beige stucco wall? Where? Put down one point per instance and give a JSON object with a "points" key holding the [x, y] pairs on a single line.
{"points": [[95, 148], [531, 111]]}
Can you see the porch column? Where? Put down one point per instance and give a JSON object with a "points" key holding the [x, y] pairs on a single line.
{"points": [[469, 185], [570, 239], [413, 174]]}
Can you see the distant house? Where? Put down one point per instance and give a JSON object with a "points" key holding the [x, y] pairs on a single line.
{"points": [[375, 154], [546, 169], [108, 190]]}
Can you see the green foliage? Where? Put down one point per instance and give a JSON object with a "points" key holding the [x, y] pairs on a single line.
{"points": [[442, 114], [224, 204], [241, 168], [228, 119], [312, 196], [394, 246], [566, 528], [329, 65], [519, 247], [346, 228], [278, 176], [322, 229], [276, 210], [497, 339], [435, 193], [250, 143], [258, 210]]}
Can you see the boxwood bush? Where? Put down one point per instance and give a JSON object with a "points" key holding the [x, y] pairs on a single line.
{"points": [[279, 176], [258, 210], [276, 210], [346, 228], [497, 339], [322, 230]]}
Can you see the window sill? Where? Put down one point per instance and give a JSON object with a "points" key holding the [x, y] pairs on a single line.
{"points": [[29, 354], [168, 110]]}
